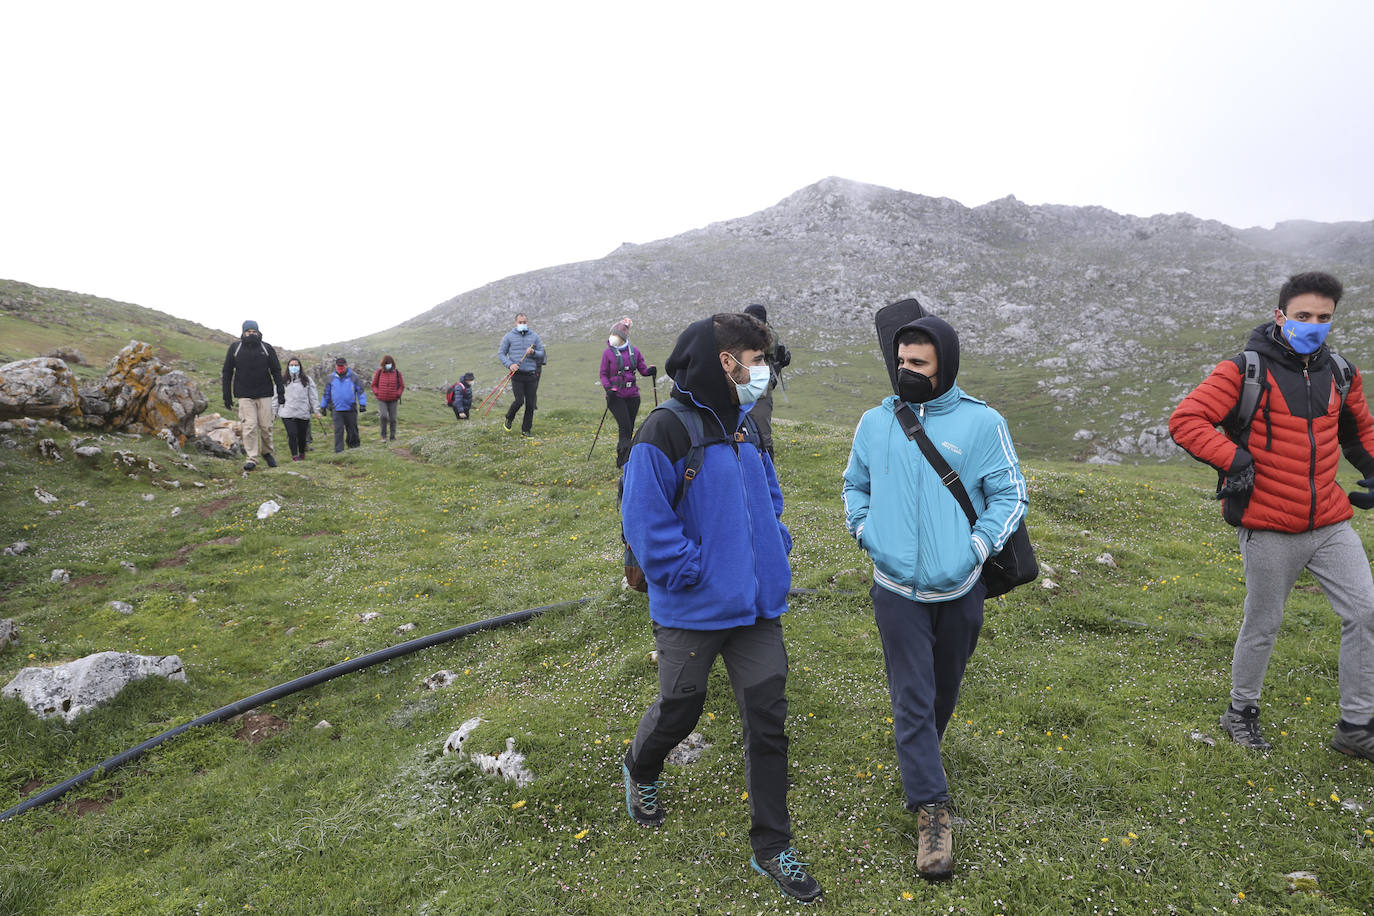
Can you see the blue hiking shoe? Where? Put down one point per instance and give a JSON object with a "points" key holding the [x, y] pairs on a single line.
{"points": [[789, 871], [641, 800]]}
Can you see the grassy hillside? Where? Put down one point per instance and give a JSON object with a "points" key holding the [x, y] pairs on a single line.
{"points": [[1073, 768]]}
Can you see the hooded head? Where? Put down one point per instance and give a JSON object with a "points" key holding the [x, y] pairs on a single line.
{"points": [[696, 367], [757, 311], [250, 327], [946, 342], [468, 376]]}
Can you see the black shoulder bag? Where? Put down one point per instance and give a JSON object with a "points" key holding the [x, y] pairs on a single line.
{"points": [[1015, 564]]}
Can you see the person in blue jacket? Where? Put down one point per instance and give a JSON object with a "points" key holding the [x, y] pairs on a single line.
{"points": [[927, 594], [714, 555], [344, 394], [523, 351]]}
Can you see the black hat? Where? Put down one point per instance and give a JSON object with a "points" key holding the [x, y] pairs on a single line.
{"points": [[757, 311], [250, 326], [468, 376], [341, 361]]}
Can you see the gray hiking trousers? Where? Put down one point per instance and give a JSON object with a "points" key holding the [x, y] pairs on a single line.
{"points": [[1273, 562]]}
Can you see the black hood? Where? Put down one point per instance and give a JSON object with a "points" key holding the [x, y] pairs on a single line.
{"points": [[888, 320], [694, 367], [946, 341]]}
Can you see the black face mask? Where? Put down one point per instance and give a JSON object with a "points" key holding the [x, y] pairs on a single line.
{"points": [[913, 387]]}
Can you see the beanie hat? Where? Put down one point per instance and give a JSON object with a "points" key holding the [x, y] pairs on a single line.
{"points": [[468, 376], [621, 328], [341, 361], [249, 326], [757, 311]]}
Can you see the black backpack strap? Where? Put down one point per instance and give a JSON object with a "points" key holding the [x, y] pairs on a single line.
{"points": [[1343, 374], [696, 433], [948, 476]]}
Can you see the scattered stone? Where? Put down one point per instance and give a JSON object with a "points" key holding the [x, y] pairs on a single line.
{"points": [[79, 686], [1353, 806], [1048, 584], [1302, 881], [176, 510], [439, 679], [89, 451], [122, 607], [38, 387], [47, 448], [1203, 738], [9, 633], [268, 509], [15, 549], [322, 725], [83, 504], [59, 575], [454, 743], [289, 630], [43, 496], [509, 765], [368, 617], [149, 497], [404, 628], [653, 656], [125, 564], [688, 750], [1107, 560]]}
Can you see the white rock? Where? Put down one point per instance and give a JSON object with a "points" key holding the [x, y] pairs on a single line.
{"points": [[404, 628], [76, 687], [368, 617], [176, 510], [268, 509], [322, 725], [454, 743], [60, 575], [509, 765], [1302, 881], [1048, 584], [16, 548], [122, 607], [688, 750], [48, 449], [1203, 738], [1046, 569], [129, 566], [439, 679], [149, 497], [9, 632], [1353, 806], [90, 451], [43, 496], [1107, 560]]}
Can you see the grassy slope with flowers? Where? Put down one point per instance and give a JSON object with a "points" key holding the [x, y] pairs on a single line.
{"points": [[1071, 760]]}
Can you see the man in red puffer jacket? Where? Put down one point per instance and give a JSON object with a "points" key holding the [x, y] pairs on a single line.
{"points": [[1278, 485], [387, 388]]}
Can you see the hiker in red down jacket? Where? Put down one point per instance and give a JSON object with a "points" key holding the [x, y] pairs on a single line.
{"points": [[387, 387], [1277, 483]]}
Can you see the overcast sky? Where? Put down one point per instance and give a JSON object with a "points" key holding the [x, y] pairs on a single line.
{"points": [[331, 169]]}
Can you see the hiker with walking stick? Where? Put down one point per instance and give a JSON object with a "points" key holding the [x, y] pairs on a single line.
{"points": [[522, 353], [296, 410], [778, 358], [619, 363]]}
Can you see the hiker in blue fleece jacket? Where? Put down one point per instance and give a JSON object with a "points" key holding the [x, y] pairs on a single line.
{"points": [[714, 555], [927, 594]]}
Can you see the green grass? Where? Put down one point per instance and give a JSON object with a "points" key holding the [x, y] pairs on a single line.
{"points": [[1070, 758]]}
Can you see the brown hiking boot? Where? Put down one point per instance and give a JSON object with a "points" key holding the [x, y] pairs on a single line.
{"points": [[934, 842]]}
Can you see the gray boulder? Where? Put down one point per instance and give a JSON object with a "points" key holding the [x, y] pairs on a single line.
{"points": [[9, 633], [76, 687], [38, 387]]}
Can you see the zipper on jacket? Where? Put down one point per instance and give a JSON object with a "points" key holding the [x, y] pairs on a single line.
{"points": [[1312, 452]]}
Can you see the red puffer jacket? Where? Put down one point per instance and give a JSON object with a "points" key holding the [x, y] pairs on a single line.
{"points": [[1295, 439], [387, 386]]}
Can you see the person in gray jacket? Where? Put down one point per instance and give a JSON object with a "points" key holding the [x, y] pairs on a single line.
{"points": [[522, 350], [298, 408]]}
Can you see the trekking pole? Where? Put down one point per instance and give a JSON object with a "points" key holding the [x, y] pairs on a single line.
{"points": [[489, 400], [654, 375], [598, 430]]}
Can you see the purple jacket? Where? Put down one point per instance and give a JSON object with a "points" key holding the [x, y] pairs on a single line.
{"points": [[618, 369]]}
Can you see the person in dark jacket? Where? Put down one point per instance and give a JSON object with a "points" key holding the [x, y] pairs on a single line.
{"points": [[619, 363], [778, 358], [344, 394], [387, 387], [522, 350], [1277, 483], [460, 396], [715, 559], [252, 373]]}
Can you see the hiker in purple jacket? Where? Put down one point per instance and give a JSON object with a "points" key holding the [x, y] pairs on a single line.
{"points": [[619, 363]]}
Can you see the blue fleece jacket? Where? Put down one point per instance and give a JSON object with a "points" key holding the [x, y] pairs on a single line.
{"points": [[343, 392], [903, 516], [716, 557]]}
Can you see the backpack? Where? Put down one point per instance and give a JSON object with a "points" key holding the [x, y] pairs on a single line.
{"points": [[696, 454], [448, 395], [625, 362], [1254, 382]]}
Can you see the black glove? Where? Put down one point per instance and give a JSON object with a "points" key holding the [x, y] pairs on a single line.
{"points": [[1243, 481], [362, 408], [228, 404], [281, 400], [1364, 500]]}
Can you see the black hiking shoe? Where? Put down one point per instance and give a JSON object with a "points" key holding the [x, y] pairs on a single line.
{"points": [[507, 425], [1243, 728], [1355, 742], [641, 800], [789, 871], [249, 464], [271, 462]]}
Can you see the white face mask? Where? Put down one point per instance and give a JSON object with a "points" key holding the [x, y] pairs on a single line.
{"points": [[522, 327], [756, 387], [387, 367], [295, 370]]}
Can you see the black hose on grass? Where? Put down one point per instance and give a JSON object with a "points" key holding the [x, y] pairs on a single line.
{"points": [[282, 690]]}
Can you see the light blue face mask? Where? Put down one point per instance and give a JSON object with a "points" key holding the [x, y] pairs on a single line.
{"points": [[1303, 336], [756, 387], [522, 327], [294, 370]]}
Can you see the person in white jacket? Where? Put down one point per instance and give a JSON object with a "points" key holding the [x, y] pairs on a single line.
{"points": [[298, 408]]}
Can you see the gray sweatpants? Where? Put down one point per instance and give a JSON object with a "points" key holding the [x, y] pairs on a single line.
{"points": [[386, 412], [1273, 562]]}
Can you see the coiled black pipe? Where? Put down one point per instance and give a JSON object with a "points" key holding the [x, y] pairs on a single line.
{"points": [[281, 690]]}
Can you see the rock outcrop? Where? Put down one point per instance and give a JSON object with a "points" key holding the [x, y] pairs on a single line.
{"points": [[79, 686], [139, 392], [42, 387]]}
